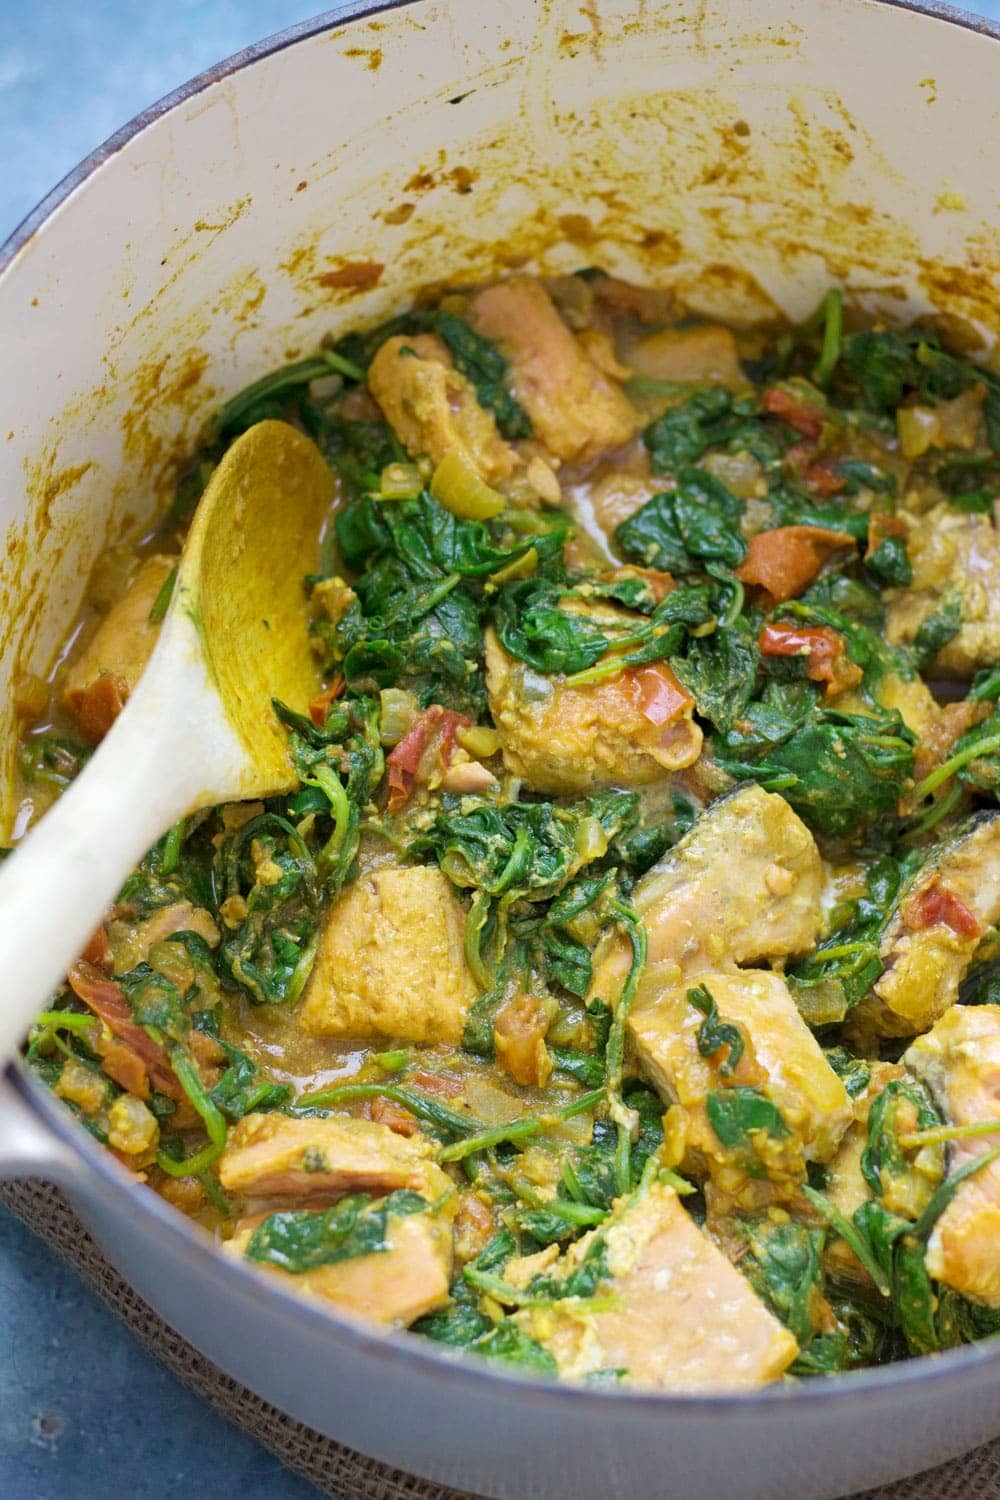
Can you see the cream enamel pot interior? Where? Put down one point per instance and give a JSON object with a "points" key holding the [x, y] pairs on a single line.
{"points": [[745, 154]]}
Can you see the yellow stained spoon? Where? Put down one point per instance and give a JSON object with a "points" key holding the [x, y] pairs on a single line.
{"points": [[199, 728]]}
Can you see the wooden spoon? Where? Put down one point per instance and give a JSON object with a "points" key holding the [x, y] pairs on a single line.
{"points": [[199, 728]]}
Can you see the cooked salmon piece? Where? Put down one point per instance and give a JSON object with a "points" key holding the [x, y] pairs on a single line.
{"points": [[939, 919], [959, 1061], [563, 739], [744, 884], [575, 410], [272, 1156], [952, 552], [673, 1313], [100, 680], [432, 408], [391, 1287], [391, 961], [781, 1061], [705, 354]]}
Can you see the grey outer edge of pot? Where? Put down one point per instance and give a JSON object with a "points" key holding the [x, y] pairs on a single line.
{"points": [[90, 1176]]}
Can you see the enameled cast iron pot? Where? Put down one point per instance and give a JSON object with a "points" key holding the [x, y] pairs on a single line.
{"points": [[744, 152]]}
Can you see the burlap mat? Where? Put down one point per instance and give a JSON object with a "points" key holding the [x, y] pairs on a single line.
{"points": [[337, 1471]]}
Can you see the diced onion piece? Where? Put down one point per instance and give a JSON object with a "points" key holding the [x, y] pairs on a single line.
{"points": [[950, 424], [590, 839], [918, 430], [480, 740], [397, 712], [400, 482], [457, 485]]}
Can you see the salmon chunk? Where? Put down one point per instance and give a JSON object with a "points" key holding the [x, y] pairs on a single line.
{"points": [[575, 410], [271, 1156], [392, 962], [937, 925], [959, 1061], [743, 884], [673, 1313], [781, 1062], [952, 553], [578, 739], [702, 355], [391, 1287], [432, 408], [100, 680]]}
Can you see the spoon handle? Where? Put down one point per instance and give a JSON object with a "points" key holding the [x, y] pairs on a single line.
{"points": [[56, 886]]}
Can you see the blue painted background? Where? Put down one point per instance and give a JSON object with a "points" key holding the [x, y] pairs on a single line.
{"points": [[84, 1411]]}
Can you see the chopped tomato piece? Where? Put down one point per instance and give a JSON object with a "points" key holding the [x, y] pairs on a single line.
{"points": [[436, 729], [396, 1116], [96, 707], [107, 1000], [319, 707], [825, 649], [657, 694], [794, 409], [439, 1084], [936, 906], [785, 560], [823, 478], [125, 1067], [98, 949]]}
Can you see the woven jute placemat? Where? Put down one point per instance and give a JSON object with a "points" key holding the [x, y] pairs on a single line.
{"points": [[334, 1470]]}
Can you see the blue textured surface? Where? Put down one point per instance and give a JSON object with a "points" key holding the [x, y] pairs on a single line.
{"points": [[84, 1411]]}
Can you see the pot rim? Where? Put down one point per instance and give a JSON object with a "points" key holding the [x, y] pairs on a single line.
{"points": [[432, 1361]]}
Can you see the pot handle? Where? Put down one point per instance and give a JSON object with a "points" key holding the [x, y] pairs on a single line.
{"points": [[27, 1147]]}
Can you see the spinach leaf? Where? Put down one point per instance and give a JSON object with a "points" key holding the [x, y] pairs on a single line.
{"points": [[890, 562], [481, 362], [733, 1113], [52, 760], [508, 1344], [531, 849], [936, 630], [975, 759], [853, 1072], [677, 531], [884, 367], [774, 716], [783, 1267], [842, 773], [844, 966], [714, 1033], [720, 671], [156, 1002], [684, 433], [243, 1088], [301, 1240], [883, 1157], [532, 627]]}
